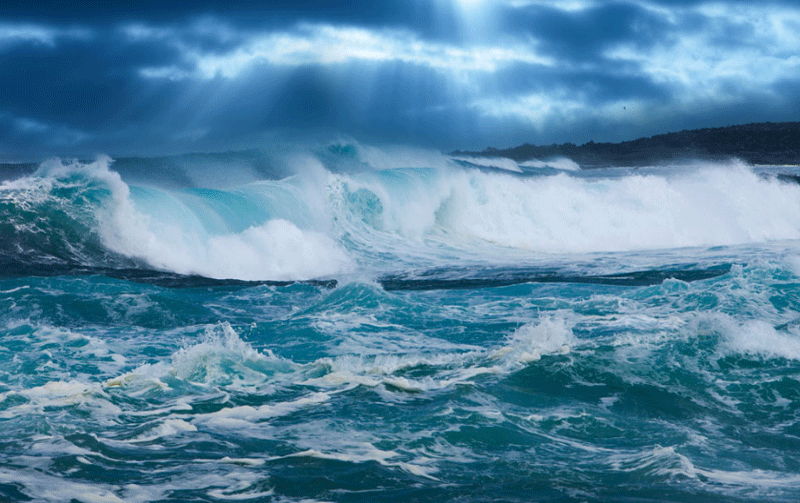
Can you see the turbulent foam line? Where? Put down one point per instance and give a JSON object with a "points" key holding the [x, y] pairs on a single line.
{"points": [[638, 278]]}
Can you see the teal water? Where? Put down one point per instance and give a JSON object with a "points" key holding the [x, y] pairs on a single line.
{"points": [[396, 333]]}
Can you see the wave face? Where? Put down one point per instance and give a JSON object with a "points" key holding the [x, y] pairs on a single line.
{"points": [[333, 222], [354, 324]]}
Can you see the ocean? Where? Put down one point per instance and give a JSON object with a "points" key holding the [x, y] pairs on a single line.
{"points": [[349, 323]]}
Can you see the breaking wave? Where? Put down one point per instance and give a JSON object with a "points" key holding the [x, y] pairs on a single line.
{"points": [[325, 221]]}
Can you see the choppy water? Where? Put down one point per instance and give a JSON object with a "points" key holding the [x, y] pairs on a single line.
{"points": [[396, 327]]}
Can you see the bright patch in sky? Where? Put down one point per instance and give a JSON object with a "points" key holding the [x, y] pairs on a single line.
{"points": [[18, 33], [471, 4], [332, 45]]}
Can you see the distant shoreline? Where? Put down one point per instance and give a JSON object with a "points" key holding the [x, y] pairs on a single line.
{"points": [[758, 144], [767, 144]]}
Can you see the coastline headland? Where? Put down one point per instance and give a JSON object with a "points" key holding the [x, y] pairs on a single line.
{"points": [[768, 143]]}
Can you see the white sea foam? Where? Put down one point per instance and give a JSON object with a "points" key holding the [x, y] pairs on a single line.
{"points": [[561, 163], [218, 359], [166, 428], [45, 487], [662, 461], [712, 206], [548, 336], [456, 212], [246, 414], [222, 358], [63, 394], [506, 164], [224, 481], [667, 461], [395, 156], [503, 163], [276, 249], [380, 362], [793, 264], [758, 338], [178, 239], [368, 452], [306, 226]]}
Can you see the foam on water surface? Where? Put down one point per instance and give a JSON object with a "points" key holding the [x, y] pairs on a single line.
{"points": [[581, 336]]}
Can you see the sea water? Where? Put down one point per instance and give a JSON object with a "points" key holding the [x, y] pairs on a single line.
{"points": [[397, 325]]}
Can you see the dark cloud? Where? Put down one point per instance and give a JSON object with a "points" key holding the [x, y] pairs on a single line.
{"points": [[430, 17], [583, 35], [613, 82], [84, 83], [127, 79]]}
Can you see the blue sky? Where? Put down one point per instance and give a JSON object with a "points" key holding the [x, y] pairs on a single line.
{"points": [[201, 76]]}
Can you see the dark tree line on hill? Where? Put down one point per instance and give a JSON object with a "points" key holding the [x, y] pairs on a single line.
{"points": [[762, 143]]}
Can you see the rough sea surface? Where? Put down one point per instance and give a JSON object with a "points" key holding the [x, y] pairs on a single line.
{"points": [[399, 326]]}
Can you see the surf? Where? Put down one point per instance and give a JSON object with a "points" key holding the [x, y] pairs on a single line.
{"points": [[348, 211]]}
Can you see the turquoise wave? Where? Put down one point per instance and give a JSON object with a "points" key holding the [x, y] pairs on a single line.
{"points": [[349, 213]]}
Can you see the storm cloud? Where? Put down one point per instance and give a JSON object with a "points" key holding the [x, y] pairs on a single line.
{"points": [[437, 73]]}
